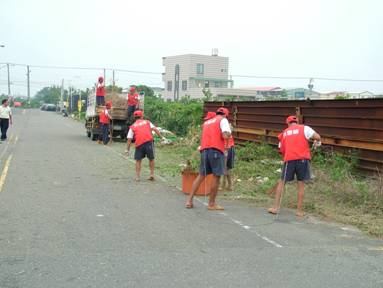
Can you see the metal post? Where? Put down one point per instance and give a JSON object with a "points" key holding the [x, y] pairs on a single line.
{"points": [[9, 81], [28, 85], [113, 82]]}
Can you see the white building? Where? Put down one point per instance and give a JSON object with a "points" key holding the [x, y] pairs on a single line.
{"points": [[189, 74]]}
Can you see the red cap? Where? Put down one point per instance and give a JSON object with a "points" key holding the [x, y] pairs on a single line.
{"points": [[100, 79], [108, 104], [223, 110], [138, 113], [209, 115], [132, 88], [291, 119]]}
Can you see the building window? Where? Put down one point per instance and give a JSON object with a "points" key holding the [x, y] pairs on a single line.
{"points": [[217, 84], [200, 69], [184, 85], [169, 88], [206, 85]]}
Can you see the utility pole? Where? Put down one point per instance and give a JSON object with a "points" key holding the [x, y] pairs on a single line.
{"points": [[9, 82], [113, 82], [28, 85], [104, 76]]}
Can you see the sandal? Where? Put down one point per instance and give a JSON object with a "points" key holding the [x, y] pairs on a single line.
{"points": [[215, 207], [151, 178], [272, 210], [189, 205], [300, 214]]}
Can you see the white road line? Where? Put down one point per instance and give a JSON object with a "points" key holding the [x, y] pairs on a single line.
{"points": [[239, 223], [3, 176]]}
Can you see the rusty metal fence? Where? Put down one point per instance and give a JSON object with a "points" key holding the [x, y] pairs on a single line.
{"points": [[345, 125]]}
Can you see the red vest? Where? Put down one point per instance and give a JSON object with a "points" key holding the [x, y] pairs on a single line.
{"points": [[100, 91], [103, 118], [142, 132], [132, 99], [231, 141], [294, 144], [212, 134]]}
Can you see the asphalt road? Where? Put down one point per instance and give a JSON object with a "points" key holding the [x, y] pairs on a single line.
{"points": [[71, 216]]}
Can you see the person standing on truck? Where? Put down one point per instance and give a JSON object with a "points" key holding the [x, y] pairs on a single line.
{"points": [[105, 117], [141, 131], [214, 145], [133, 101], [100, 92], [295, 149], [5, 118]]}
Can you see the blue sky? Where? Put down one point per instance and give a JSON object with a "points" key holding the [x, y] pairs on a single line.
{"points": [[336, 39]]}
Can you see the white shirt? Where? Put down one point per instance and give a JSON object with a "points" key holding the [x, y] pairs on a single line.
{"points": [[309, 132], [5, 112], [224, 125], [131, 133]]}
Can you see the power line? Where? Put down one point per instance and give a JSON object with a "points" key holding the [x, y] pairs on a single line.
{"points": [[84, 68], [308, 78]]}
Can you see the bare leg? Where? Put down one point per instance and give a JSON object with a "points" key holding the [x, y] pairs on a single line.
{"points": [[138, 170], [278, 193], [197, 182], [151, 166], [301, 192], [213, 190], [229, 182]]}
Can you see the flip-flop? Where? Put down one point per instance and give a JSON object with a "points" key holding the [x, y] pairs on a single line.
{"points": [[151, 178], [189, 205], [300, 214], [137, 179], [272, 210], [215, 207]]}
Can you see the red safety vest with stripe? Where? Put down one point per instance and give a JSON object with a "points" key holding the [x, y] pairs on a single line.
{"points": [[104, 119], [133, 99], [294, 145], [212, 134], [142, 132]]}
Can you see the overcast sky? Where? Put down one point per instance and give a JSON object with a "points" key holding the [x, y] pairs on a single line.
{"points": [[326, 38]]}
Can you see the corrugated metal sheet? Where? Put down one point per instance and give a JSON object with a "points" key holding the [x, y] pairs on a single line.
{"points": [[345, 125]]}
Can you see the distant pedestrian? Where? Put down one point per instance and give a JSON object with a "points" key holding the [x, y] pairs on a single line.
{"points": [[214, 143], [100, 92], [105, 118], [294, 147], [5, 118], [141, 131], [133, 101]]}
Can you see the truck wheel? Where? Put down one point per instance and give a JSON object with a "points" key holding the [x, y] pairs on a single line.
{"points": [[93, 136]]}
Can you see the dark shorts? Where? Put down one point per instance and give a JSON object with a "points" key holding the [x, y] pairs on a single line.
{"points": [[212, 162], [230, 158], [131, 110], [100, 100], [144, 150], [298, 168]]}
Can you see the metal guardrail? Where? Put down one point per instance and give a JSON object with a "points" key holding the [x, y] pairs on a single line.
{"points": [[345, 125]]}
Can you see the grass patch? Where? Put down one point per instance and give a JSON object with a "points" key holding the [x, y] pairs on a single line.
{"points": [[336, 192]]}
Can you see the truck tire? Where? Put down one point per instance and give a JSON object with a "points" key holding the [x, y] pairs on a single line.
{"points": [[93, 136]]}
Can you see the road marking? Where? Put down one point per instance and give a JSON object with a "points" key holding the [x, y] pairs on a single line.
{"points": [[5, 172], [239, 223], [17, 138]]}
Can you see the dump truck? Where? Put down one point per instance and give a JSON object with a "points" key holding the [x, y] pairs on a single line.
{"points": [[119, 123]]}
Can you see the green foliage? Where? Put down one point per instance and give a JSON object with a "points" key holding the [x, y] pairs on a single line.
{"points": [[147, 90], [48, 95], [113, 88], [178, 117]]}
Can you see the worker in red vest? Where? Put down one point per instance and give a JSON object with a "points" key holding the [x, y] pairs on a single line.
{"points": [[214, 144], [100, 92], [295, 149], [132, 101], [105, 117], [141, 131]]}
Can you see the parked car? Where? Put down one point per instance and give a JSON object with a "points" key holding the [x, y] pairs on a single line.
{"points": [[48, 107]]}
